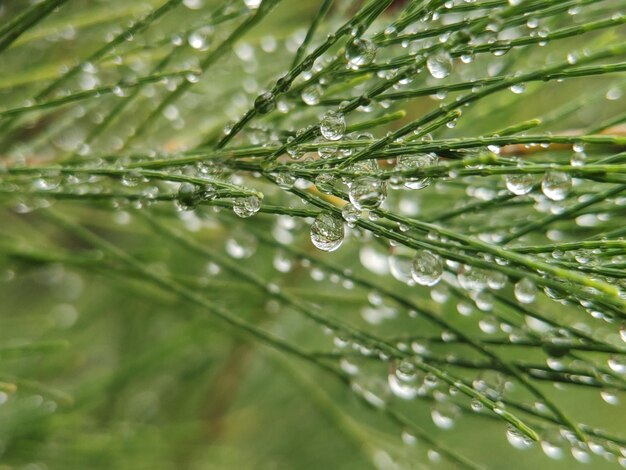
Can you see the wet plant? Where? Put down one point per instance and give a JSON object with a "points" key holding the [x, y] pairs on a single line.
{"points": [[403, 216]]}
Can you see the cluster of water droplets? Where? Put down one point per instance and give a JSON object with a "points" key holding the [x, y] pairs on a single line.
{"points": [[462, 282]]}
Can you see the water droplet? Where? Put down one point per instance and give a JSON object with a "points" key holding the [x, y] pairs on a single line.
{"points": [[265, 103], [519, 88], [132, 179], [408, 438], [350, 213], [444, 415], [187, 197], [367, 192], [433, 456], [427, 268], [252, 4], [247, 206], [578, 159], [311, 95], [517, 439], [552, 444], [520, 184], [348, 366], [324, 182], [496, 280], [439, 65], [416, 162], [489, 325], [476, 405], [241, 245], [360, 52], [373, 389], [200, 39], [556, 185], [490, 383], [617, 364], [402, 380], [400, 267], [282, 262], [333, 126], [525, 291], [285, 180], [327, 232], [610, 396], [581, 454]]}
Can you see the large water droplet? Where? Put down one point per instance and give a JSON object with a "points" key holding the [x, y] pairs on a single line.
{"points": [[617, 364], [427, 268], [311, 94], [552, 444], [439, 65], [367, 192], [525, 291], [556, 185], [247, 206], [517, 439], [327, 232], [400, 267], [445, 414], [200, 39], [415, 162], [265, 103], [333, 126], [402, 380], [350, 213], [610, 396], [520, 184], [360, 52]]}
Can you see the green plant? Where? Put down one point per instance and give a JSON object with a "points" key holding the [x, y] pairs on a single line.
{"points": [[462, 160]]}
